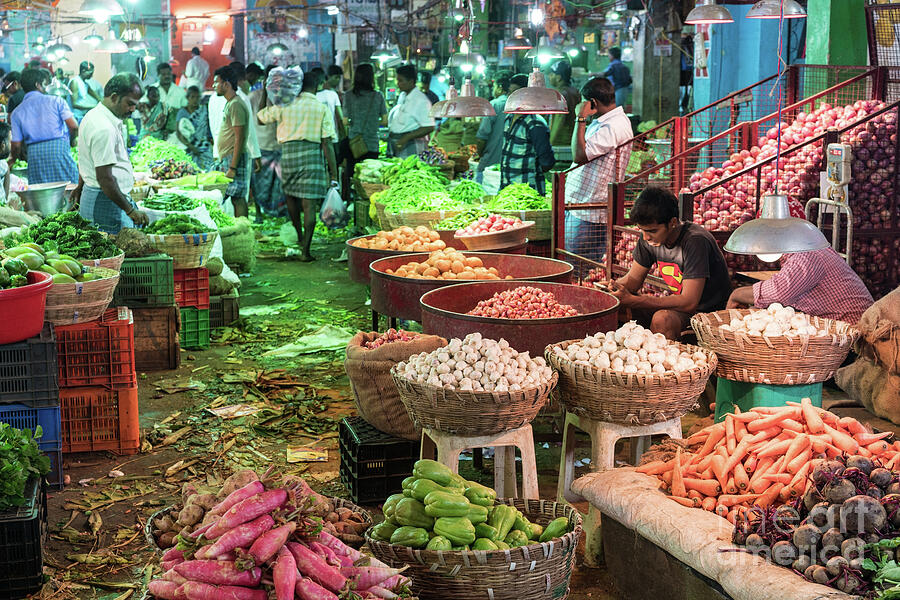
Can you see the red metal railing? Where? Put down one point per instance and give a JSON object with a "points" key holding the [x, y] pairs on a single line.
{"points": [[884, 43]]}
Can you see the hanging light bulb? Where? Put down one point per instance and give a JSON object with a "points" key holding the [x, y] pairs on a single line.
{"points": [[137, 45], [276, 49], [438, 107], [209, 34], [537, 98], [544, 52], [536, 16], [518, 41], [775, 232], [772, 9], [92, 40], [467, 104], [56, 50], [303, 32], [38, 46], [480, 69], [708, 14], [111, 45], [101, 10], [386, 51], [332, 10]]}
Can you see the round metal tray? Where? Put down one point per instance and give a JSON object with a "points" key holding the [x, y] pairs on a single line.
{"points": [[359, 259], [444, 313]]}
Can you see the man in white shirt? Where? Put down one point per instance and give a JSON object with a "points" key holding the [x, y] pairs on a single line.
{"points": [[600, 145], [106, 176], [243, 92], [330, 98], [409, 122], [172, 96], [196, 71]]}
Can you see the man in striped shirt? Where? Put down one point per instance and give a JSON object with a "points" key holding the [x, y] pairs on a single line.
{"points": [[818, 282]]}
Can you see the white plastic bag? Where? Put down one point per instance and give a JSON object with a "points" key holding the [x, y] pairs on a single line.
{"points": [[334, 211]]}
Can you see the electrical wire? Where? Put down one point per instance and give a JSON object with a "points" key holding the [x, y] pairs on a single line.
{"points": [[782, 69]]}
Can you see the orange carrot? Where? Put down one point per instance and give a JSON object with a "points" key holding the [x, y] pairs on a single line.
{"points": [[721, 510], [738, 455], [740, 477], [666, 477], [774, 449], [708, 504], [750, 464], [852, 425], [689, 502], [775, 419], [652, 468], [797, 446], [798, 484], [677, 481], [708, 474], [731, 500], [792, 425], [694, 494], [740, 430], [769, 496], [893, 463], [730, 487], [812, 418], [866, 439], [761, 468], [784, 478], [718, 467], [706, 487], [864, 452], [731, 517], [842, 440], [797, 463], [746, 417], [730, 442], [716, 433]]}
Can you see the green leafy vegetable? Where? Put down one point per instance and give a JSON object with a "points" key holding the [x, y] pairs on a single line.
{"points": [[176, 223], [219, 216], [519, 196], [417, 191], [73, 235], [463, 220], [468, 191], [411, 164], [171, 202], [20, 460], [150, 150]]}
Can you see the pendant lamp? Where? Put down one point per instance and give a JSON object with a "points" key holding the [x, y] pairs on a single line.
{"points": [[708, 14], [438, 107], [535, 99], [518, 41], [276, 48], [775, 232], [111, 45], [58, 49], [544, 52], [386, 51], [467, 104], [92, 39], [138, 45], [101, 9], [772, 9]]}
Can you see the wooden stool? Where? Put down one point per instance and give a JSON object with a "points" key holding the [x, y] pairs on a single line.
{"points": [[603, 453], [450, 446]]}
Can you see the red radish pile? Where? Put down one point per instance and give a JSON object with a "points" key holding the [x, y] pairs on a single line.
{"points": [[390, 336], [491, 224], [523, 303], [263, 544]]}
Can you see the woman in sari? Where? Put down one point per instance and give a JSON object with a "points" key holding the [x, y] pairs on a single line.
{"points": [[153, 116], [193, 130]]}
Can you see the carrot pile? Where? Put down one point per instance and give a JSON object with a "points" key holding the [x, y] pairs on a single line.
{"points": [[764, 457]]}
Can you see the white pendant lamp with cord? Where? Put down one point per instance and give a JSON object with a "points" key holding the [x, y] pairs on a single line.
{"points": [[536, 99], [467, 103], [708, 14], [776, 9], [111, 45]]}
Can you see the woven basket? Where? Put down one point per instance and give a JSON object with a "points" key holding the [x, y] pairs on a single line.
{"points": [[381, 215], [371, 188], [70, 303], [113, 262], [188, 251], [543, 222], [631, 399], [425, 218], [532, 572], [470, 413], [774, 360]]}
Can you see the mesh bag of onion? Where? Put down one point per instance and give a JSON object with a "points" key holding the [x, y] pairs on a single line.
{"points": [[368, 362]]}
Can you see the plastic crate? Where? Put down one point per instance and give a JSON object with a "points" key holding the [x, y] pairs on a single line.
{"points": [[192, 287], [55, 476], [98, 352], [21, 416], [224, 310], [194, 328], [147, 281], [156, 345], [373, 463], [22, 533], [97, 418], [739, 394], [28, 371]]}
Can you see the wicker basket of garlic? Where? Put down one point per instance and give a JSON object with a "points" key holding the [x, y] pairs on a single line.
{"points": [[474, 386], [630, 375], [776, 345]]}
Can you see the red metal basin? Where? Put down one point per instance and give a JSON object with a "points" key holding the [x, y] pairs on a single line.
{"points": [[398, 297], [359, 259], [444, 313], [452, 242]]}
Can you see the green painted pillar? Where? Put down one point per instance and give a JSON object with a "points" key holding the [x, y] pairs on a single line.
{"points": [[836, 32]]}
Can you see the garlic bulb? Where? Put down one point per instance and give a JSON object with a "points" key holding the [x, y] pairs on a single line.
{"points": [[774, 321]]}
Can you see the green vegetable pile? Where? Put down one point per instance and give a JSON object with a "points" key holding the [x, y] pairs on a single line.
{"points": [[417, 191], [411, 164], [439, 510], [20, 164], [73, 235], [193, 182], [468, 191], [176, 224], [219, 216], [463, 220], [20, 460], [150, 150], [171, 202], [519, 196]]}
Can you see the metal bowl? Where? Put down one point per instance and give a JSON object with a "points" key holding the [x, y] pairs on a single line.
{"points": [[46, 198]]}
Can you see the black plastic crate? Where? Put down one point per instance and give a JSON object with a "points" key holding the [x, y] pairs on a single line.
{"points": [[22, 533], [28, 371], [224, 310], [146, 281], [373, 463]]}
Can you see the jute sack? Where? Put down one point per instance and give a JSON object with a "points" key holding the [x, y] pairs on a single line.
{"points": [[239, 246], [373, 388], [880, 326], [868, 383]]}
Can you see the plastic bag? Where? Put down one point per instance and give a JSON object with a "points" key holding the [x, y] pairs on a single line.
{"points": [[284, 85], [334, 211]]}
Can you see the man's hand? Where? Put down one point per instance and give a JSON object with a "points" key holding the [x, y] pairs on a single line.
{"points": [[257, 165], [75, 196], [230, 173], [626, 298], [585, 109], [140, 218], [402, 141], [741, 297]]}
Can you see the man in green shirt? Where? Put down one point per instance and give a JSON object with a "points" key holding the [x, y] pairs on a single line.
{"points": [[232, 141]]}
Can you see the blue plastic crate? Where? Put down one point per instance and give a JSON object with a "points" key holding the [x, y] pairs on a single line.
{"points": [[23, 417]]}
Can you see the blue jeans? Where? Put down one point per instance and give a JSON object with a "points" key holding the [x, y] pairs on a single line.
{"points": [[622, 95], [585, 238]]}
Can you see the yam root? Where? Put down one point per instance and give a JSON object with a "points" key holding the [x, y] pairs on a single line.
{"points": [[204, 501], [190, 515], [237, 481]]}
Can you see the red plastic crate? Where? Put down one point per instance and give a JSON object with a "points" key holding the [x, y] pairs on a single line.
{"points": [[96, 418], [192, 288], [98, 352]]}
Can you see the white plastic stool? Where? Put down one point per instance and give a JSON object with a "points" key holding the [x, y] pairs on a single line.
{"points": [[603, 450], [450, 446]]}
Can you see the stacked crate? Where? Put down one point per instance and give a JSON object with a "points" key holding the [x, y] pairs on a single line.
{"points": [[23, 531], [147, 287], [192, 298], [29, 394], [98, 392]]}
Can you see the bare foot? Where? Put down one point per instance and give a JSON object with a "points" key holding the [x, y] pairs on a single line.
{"points": [[307, 258]]}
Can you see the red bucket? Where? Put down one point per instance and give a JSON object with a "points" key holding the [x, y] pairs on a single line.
{"points": [[22, 308]]}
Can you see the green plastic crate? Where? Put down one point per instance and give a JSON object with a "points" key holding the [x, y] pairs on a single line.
{"points": [[748, 395], [194, 328], [147, 281]]}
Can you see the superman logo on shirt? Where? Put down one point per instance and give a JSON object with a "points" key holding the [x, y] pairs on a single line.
{"points": [[671, 275]]}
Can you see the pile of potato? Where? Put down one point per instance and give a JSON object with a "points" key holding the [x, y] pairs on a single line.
{"points": [[448, 264], [404, 239]]}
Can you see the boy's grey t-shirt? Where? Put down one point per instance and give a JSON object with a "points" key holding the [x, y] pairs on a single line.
{"points": [[695, 255]]}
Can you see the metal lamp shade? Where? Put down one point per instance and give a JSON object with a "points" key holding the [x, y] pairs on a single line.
{"points": [[518, 42], [771, 9], [467, 104], [111, 46], [438, 107], [386, 51], [708, 14], [138, 45], [776, 232], [537, 98], [101, 8], [93, 39], [277, 49]]}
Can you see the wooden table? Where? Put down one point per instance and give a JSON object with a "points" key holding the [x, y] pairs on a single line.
{"points": [[755, 276]]}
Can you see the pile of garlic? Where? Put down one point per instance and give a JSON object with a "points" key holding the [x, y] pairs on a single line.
{"points": [[632, 349], [775, 321], [476, 364]]}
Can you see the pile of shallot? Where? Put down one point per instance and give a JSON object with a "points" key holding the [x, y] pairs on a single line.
{"points": [[390, 336], [476, 364], [523, 302], [632, 349], [490, 224], [774, 321]]}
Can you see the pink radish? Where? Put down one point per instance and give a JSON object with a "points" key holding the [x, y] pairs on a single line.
{"points": [[168, 564], [380, 592], [240, 536], [201, 530], [284, 572], [251, 489], [330, 557], [195, 590], [307, 589], [172, 554], [173, 575], [219, 572], [247, 510], [314, 566], [342, 549], [366, 577], [395, 582], [232, 556], [268, 544], [162, 589]]}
